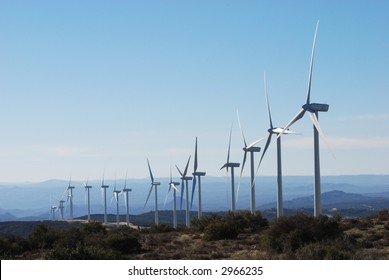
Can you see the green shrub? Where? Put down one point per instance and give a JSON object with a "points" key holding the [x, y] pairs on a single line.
{"points": [[325, 251], [123, 240], [220, 230], [288, 234]]}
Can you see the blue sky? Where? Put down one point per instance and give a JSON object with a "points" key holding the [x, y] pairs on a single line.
{"points": [[97, 86]]}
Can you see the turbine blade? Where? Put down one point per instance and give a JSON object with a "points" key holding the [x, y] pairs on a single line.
{"points": [[193, 191], [267, 101], [241, 172], [174, 187], [151, 173], [179, 171], [241, 130], [148, 196], [195, 160], [125, 181], [164, 204], [255, 143], [229, 149], [186, 168], [295, 119], [265, 149], [316, 123], [171, 175], [311, 66]]}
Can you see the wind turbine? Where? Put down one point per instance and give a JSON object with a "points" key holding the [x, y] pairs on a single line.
{"points": [[231, 165], [153, 185], [126, 190], [251, 149], [185, 179], [197, 174], [104, 189], [173, 185], [275, 130], [313, 109], [53, 209], [61, 207], [70, 198], [116, 194], [87, 189]]}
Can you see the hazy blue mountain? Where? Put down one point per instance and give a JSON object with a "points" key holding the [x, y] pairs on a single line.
{"points": [[34, 200], [335, 199]]}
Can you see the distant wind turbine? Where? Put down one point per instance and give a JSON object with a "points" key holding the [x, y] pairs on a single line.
{"points": [[125, 191], [275, 130], [61, 207], [70, 198], [153, 185], [116, 194], [87, 190], [185, 180], [251, 149], [231, 165], [173, 185], [313, 110], [104, 189], [197, 174]]}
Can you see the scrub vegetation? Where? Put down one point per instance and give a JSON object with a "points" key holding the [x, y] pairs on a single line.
{"points": [[215, 236]]}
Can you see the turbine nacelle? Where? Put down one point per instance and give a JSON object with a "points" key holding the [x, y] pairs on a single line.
{"points": [[316, 107], [230, 164], [252, 149], [279, 130], [198, 173]]}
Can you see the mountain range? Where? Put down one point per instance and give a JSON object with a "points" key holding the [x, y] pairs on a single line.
{"points": [[32, 201]]}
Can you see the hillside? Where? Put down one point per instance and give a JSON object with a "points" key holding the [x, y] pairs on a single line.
{"points": [[225, 236]]}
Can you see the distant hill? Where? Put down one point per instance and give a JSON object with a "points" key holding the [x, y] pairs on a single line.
{"points": [[335, 199]]}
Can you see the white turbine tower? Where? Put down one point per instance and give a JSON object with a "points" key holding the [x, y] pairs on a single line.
{"points": [[173, 185], [153, 185], [231, 165], [70, 198], [53, 209], [275, 130], [61, 207], [197, 174], [313, 109], [185, 180], [248, 149], [116, 194], [125, 191], [87, 190], [104, 190]]}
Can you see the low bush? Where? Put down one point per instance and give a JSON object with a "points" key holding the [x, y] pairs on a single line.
{"points": [[288, 234]]}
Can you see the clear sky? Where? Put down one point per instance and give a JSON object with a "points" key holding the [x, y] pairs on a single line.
{"points": [[89, 87]]}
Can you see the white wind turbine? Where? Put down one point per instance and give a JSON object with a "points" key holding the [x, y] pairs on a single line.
{"points": [[70, 198], [87, 190], [116, 194], [251, 149], [231, 165], [197, 174], [61, 207], [185, 180], [104, 190], [125, 191], [153, 185], [313, 109], [275, 130], [173, 185]]}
